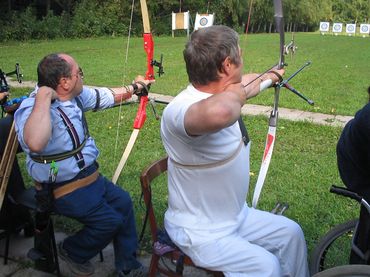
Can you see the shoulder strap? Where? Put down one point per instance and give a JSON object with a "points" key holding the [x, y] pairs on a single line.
{"points": [[243, 130], [97, 103], [74, 137], [77, 146], [84, 121]]}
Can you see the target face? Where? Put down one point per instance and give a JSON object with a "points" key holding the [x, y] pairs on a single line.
{"points": [[203, 21], [350, 28], [337, 27], [364, 28], [324, 26]]}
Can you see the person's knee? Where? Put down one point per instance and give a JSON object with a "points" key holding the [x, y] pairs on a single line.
{"points": [[293, 236], [270, 266], [112, 224], [124, 202], [294, 230]]}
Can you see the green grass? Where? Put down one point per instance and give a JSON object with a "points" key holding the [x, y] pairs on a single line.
{"points": [[304, 162], [336, 80]]}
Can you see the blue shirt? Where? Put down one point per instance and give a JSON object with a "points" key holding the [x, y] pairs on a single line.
{"points": [[60, 140]]}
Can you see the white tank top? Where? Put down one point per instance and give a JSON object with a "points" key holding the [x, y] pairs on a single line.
{"points": [[208, 175]]}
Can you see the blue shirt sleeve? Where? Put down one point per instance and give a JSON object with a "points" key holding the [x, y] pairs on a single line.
{"points": [[60, 140]]}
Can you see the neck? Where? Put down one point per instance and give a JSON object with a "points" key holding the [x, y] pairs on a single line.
{"points": [[213, 87], [64, 95]]}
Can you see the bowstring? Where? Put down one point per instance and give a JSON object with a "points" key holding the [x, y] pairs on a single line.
{"points": [[124, 77]]}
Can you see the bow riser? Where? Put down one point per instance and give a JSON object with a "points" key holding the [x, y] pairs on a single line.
{"points": [[279, 25], [149, 50], [141, 113]]}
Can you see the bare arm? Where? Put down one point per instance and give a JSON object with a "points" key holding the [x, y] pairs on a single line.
{"points": [[223, 109], [216, 112], [123, 93], [37, 130], [3, 95], [255, 88]]}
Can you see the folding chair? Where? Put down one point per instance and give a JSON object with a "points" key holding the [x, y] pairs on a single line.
{"points": [[6, 163], [173, 253], [26, 199], [46, 260]]}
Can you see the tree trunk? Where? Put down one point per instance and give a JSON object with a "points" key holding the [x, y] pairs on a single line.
{"points": [[258, 27]]}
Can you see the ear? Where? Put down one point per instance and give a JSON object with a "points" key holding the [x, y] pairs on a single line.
{"points": [[64, 83], [64, 86], [226, 65]]}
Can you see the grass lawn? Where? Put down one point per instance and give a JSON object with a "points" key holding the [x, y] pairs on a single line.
{"points": [[304, 162]]}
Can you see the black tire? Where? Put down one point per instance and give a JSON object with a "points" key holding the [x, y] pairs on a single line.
{"points": [[353, 270], [334, 248]]}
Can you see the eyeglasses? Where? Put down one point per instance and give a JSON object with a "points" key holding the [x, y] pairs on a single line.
{"points": [[80, 73]]}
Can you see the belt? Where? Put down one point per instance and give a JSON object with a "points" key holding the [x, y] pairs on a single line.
{"points": [[72, 186]]}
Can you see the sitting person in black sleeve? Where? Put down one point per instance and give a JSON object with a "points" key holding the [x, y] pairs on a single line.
{"points": [[353, 156], [353, 153]]}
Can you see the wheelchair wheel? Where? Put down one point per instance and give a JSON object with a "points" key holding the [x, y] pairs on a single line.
{"points": [[353, 270], [334, 248]]}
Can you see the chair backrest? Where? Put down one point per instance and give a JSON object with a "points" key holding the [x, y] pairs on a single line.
{"points": [[146, 178]]}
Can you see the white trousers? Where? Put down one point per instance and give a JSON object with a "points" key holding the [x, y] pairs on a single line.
{"points": [[263, 245]]}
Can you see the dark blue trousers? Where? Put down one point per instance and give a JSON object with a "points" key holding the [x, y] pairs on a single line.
{"points": [[106, 211]]}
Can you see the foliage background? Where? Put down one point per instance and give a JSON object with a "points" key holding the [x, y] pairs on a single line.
{"points": [[36, 19]]}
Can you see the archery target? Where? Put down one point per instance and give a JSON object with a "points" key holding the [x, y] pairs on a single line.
{"points": [[351, 28], [365, 28], [203, 20], [324, 26], [337, 27], [180, 21]]}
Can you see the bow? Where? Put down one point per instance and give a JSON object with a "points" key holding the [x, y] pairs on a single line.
{"points": [[141, 113], [271, 135]]}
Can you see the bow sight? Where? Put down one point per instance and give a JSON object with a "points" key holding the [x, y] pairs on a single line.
{"points": [[159, 65]]}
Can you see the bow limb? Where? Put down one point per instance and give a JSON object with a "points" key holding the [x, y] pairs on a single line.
{"points": [[141, 113], [271, 135]]}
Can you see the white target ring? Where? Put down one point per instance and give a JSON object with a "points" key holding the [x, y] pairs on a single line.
{"points": [[324, 26], [351, 28], [337, 27], [365, 28]]}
